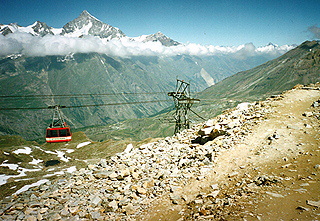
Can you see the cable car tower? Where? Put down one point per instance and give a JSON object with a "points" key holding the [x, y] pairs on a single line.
{"points": [[58, 130], [183, 103]]}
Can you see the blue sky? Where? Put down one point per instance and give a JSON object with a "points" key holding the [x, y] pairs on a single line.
{"points": [[207, 22]]}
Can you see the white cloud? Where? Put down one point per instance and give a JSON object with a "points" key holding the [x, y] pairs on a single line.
{"points": [[9, 45], [27, 44]]}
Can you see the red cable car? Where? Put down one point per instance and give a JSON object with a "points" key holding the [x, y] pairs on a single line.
{"points": [[58, 130]]}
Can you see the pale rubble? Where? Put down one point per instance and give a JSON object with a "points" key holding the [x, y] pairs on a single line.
{"points": [[121, 187]]}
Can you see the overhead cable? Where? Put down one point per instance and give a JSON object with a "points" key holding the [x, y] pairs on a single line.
{"points": [[88, 105], [77, 95]]}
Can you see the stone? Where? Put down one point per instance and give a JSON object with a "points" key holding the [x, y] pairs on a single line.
{"points": [[91, 166], [135, 175], [210, 123], [113, 175], [198, 201], [313, 203], [316, 103], [28, 211], [82, 214], [73, 210], [64, 212], [95, 215], [148, 184], [129, 209], [55, 216], [307, 125], [103, 163], [141, 190], [175, 199], [205, 131], [183, 162], [275, 135], [19, 206], [307, 114], [43, 210], [128, 149], [102, 174], [31, 218], [114, 205], [215, 186], [95, 200], [302, 208], [125, 172], [301, 190], [233, 174], [214, 194], [216, 133], [274, 194], [39, 216]]}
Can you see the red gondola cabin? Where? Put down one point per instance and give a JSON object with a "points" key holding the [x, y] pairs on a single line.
{"points": [[58, 134], [58, 131]]}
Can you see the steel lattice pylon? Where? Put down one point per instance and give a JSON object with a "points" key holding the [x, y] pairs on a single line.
{"points": [[183, 103]]}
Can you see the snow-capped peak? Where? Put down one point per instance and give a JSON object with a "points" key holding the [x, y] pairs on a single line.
{"points": [[271, 44], [157, 37], [37, 29], [273, 48], [86, 24], [87, 15]]}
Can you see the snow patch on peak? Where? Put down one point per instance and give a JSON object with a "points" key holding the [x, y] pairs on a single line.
{"points": [[56, 31], [27, 29], [80, 32]]}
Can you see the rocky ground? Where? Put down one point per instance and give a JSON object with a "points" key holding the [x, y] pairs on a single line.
{"points": [[259, 161]]}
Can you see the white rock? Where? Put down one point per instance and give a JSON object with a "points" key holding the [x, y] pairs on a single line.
{"points": [[113, 204], [128, 149], [274, 194], [313, 203], [215, 186]]}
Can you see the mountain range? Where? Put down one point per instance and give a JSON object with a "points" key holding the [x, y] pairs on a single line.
{"points": [[103, 80], [84, 25], [88, 25]]}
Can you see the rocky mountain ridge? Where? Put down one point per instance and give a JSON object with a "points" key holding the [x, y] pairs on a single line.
{"points": [[181, 178], [84, 25], [298, 66], [87, 25], [159, 37]]}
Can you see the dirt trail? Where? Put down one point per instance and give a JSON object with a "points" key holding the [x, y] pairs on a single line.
{"points": [[273, 174]]}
